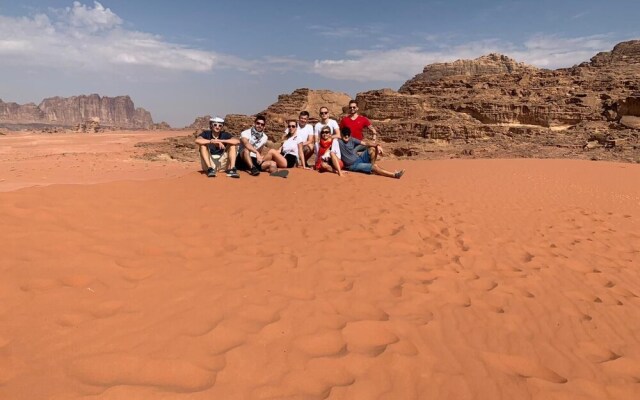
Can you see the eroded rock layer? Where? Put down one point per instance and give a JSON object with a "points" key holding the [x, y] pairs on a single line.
{"points": [[70, 111]]}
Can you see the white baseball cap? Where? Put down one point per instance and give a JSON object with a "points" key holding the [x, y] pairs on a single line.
{"points": [[217, 119]]}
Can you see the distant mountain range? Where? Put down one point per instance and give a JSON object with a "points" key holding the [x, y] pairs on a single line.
{"points": [[118, 112]]}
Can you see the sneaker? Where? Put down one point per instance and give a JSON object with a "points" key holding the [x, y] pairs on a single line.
{"points": [[398, 174], [211, 173], [254, 171], [283, 173], [232, 173]]}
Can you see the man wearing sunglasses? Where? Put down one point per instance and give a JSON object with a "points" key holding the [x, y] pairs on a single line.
{"points": [[218, 149], [356, 123], [325, 121], [252, 141]]}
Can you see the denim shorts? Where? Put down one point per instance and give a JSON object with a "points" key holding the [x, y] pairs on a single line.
{"points": [[362, 164]]}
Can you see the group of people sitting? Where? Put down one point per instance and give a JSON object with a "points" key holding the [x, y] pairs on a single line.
{"points": [[336, 147]]}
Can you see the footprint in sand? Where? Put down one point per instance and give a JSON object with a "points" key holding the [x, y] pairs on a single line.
{"points": [[521, 367], [325, 344], [110, 370], [596, 353], [368, 337]]}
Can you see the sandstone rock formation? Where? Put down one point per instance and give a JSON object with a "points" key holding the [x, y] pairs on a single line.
{"points": [[496, 98], [494, 106], [69, 112], [287, 107]]}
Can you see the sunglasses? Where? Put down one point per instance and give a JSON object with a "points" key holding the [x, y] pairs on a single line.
{"points": [[324, 112], [293, 126], [352, 107], [217, 124], [326, 132], [260, 123]]}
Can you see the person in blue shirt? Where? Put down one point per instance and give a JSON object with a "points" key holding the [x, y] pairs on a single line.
{"points": [[218, 149], [365, 162]]}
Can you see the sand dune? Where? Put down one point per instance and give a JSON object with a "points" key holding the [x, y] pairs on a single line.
{"points": [[478, 279]]}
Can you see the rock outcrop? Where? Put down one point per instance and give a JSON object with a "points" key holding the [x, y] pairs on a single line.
{"points": [[287, 107], [71, 111], [494, 106], [495, 98]]}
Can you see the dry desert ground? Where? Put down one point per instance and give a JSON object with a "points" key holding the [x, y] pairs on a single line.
{"points": [[466, 279]]}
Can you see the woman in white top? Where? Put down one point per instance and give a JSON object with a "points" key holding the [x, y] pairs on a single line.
{"points": [[287, 155]]}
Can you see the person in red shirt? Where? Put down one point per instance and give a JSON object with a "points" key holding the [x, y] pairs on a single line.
{"points": [[357, 122]]}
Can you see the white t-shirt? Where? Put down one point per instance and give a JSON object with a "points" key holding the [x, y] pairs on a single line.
{"points": [[256, 141], [335, 148], [331, 123], [290, 146], [302, 133]]}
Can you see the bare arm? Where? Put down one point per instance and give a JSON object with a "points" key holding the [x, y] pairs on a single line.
{"points": [[374, 131], [248, 146]]}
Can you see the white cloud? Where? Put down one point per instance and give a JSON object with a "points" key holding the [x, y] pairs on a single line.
{"points": [[92, 19], [403, 63], [92, 37]]}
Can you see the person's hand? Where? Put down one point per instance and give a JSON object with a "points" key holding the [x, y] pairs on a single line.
{"points": [[259, 157], [380, 150]]}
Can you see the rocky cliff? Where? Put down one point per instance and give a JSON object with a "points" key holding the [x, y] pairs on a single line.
{"points": [[70, 111], [495, 98], [494, 106]]}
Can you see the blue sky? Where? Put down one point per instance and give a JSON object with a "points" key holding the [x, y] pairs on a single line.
{"points": [[184, 59]]}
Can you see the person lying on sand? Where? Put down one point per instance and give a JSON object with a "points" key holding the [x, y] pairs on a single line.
{"points": [[252, 142], [218, 149], [365, 162], [328, 159]]}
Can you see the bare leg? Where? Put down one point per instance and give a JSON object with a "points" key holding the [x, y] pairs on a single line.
{"points": [[308, 152], [383, 172], [246, 157], [336, 164], [274, 155], [269, 166], [232, 152], [205, 157], [373, 154], [301, 156]]}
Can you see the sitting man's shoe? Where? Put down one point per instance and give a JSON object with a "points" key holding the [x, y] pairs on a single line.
{"points": [[232, 173], [398, 174], [254, 171], [211, 173]]}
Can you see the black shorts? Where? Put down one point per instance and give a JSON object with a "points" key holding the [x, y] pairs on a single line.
{"points": [[291, 160], [242, 165]]}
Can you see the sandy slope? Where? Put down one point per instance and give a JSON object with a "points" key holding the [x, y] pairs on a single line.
{"points": [[34, 159], [483, 279]]}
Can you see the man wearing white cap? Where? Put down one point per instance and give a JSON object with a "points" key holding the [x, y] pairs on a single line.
{"points": [[218, 149]]}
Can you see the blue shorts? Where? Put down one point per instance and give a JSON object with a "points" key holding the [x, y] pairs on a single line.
{"points": [[362, 164]]}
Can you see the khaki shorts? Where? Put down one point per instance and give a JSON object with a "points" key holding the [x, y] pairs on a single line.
{"points": [[218, 162]]}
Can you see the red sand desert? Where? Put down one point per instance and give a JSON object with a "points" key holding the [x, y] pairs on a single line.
{"points": [[466, 279]]}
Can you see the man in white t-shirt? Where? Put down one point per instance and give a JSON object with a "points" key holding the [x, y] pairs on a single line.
{"points": [[252, 141], [325, 121], [305, 137]]}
